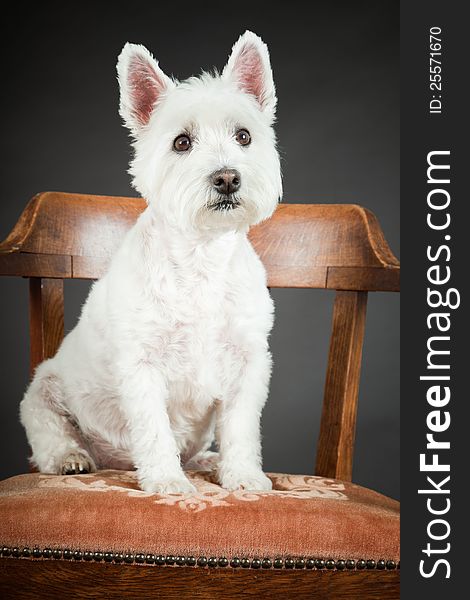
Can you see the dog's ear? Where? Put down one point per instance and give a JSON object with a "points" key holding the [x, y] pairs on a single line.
{"points": [[142, 83], [250, 68]]}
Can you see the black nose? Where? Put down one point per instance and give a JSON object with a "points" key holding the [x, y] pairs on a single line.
{"points": [[226, 181]]}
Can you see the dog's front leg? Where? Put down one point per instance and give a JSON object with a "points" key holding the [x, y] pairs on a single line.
{"points": [[153, 446], [238, 427]]}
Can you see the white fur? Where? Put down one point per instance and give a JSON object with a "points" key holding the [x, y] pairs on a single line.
{"points": [[171, 347]]}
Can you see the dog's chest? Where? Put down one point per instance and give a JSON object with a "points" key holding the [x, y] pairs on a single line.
{"points": [[194, 318]]}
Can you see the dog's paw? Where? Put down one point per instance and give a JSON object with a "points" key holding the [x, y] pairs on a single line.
{"points": [[77, 463], [253, 481], [175, 485]]}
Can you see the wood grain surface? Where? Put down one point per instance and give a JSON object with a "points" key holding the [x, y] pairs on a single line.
{"points": [[46, 318], [335, 246], [338, 422], [32, 580]]}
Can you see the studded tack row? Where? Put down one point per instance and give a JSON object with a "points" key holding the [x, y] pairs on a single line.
{"points": [[202, 561]]}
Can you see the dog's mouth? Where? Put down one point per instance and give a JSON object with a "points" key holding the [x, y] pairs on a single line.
{"points": [[225, 203]]}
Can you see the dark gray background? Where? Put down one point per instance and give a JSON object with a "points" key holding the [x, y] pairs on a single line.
{"points": [[336, 71]]}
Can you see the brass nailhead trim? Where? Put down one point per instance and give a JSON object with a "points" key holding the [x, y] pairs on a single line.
{"points": [[310, 563], [201, 561], [235, 562], [289, 563], [266, 563]]}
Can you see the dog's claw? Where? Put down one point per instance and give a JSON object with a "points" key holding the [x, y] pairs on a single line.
{"points": [[77, 464]]}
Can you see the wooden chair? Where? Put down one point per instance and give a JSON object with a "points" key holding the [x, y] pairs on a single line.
{"points": [[340, 247]]}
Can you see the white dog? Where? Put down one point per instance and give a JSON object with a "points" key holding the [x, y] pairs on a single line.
{"points": [[171, 347]]}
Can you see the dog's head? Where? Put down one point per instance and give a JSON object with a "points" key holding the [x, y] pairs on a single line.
{"points": [[205, 151]]}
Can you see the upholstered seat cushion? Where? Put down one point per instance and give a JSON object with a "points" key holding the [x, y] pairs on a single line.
{"points": [[304, 516]]}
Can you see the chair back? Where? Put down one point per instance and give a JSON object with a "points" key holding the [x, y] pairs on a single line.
{"points": [[326, 246]]}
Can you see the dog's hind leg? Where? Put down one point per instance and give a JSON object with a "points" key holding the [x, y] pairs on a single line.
{"points": [[206, 460], [55, 443]]}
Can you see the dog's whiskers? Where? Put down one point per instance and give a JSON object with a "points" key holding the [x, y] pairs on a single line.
{"points": [[224, 204]]}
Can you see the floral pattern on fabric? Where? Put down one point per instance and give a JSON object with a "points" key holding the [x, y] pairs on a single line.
{"points": [[209, 493]]}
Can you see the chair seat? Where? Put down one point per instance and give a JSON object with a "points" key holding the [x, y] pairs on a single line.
{"points": [[303, 517]]}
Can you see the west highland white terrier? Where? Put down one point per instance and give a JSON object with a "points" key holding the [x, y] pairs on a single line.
{"points": [[171, 349]]}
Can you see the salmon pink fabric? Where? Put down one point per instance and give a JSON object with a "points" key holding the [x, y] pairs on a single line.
{"points": [[303, 516]]}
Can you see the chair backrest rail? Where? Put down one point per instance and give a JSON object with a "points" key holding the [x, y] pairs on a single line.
{"points": [[326, 246]]}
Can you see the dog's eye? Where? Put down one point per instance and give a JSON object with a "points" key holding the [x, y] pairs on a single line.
{"points": [[243, 137], [182, 143]]}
